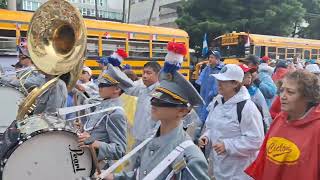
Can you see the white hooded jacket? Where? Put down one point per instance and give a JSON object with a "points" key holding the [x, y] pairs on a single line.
{"points": [[242, 141]]}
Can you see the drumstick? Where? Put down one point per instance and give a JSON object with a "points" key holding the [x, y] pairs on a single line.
{"points": [[92, 151], [94, 158]]}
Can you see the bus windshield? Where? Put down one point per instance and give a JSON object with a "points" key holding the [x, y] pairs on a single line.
{"points": [[231, 46], [233, 51]]}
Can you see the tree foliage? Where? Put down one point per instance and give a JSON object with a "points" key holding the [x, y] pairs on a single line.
{"points": [[312, 20], [216, 17], [3, 4]]}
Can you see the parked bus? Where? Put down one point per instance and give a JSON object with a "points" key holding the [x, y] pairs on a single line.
{"points": [[235, 46], [142, 43]]}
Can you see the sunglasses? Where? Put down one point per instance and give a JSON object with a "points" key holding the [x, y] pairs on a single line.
{"points": [[161, 103], [103, 85], [23, 57]]}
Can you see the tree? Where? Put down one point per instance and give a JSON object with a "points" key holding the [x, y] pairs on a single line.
{"points": [[216, 17], [3, 4], [312, 20]]}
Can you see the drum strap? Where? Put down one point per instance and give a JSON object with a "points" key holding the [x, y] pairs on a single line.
{"points": [[171, 157], [72, 109], [110, 109]]}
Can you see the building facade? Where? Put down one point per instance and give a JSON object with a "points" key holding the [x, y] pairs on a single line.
{"points": [[164, 14], [86, 7]]}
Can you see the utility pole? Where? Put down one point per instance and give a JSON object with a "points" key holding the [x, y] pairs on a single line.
{"points": [[96, 7], [129, 11], [151, 13], [123, 11]]}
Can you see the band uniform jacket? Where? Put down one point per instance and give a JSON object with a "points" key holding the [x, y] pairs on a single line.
{"points": [[158, 149], [55, 97], [110, 128]]}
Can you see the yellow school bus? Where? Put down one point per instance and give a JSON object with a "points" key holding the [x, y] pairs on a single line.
{"points": [[142, 43], [235, 46]]}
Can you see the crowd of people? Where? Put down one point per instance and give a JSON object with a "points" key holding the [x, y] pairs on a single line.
{"points": [[254, 121], [259, 119]]}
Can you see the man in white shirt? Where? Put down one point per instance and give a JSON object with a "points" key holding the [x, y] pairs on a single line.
{"points": [[143, 123]]}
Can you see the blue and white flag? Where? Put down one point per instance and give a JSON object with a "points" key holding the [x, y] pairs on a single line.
{"points": [[205, 45]]}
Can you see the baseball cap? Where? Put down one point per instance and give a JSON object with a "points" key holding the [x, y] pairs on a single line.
{"points": [[87, 69], [313, 68], [265, 59], [215, 53], [246, 68], [230, 72]]}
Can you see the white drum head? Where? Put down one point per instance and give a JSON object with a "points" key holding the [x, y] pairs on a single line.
{"points": [[8, 106], [49, 156]]}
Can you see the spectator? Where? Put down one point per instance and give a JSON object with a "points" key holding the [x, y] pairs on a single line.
{"points": [[208, 84], [313, 68], [262, 80], [264, 66], [256, 95], [236, 134], [280, 71], [291, 147]]}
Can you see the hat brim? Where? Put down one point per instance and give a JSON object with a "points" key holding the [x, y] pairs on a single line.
{"points": [[221, 77]]}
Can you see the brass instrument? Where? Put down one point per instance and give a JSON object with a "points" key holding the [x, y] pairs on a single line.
{"points": [[57, 45]]}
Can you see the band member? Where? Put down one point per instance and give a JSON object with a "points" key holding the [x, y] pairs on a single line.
{"points": [[24, 67], [170, 102], [107, 131], [85, 83]]}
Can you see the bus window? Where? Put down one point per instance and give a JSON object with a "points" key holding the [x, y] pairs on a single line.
{"points": [[272, 52], [282, 53], [8, 42], [111, 45], [306, 54], [139, 49], [314, 53], [263, 50], [159, 49], [257, 51], [290, 53], [92, 46], [299, 52]]}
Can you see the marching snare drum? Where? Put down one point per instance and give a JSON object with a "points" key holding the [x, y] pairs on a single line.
{"points": [[48, 149], [9, 98]]}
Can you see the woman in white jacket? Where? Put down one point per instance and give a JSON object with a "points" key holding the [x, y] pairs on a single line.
{"points": [[235, 141]]}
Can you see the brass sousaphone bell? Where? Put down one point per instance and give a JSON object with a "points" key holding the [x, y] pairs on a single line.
{"points": [[57, 41]]}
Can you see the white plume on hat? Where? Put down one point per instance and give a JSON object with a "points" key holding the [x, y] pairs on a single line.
{"points": [[176, 52]]}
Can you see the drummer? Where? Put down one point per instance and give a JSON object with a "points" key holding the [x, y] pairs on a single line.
{"points": [[24, 66], [107, 131], [171, 101]]}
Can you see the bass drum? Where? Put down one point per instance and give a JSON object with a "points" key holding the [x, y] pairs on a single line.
{"points": [[48, 149], [10, 97]]}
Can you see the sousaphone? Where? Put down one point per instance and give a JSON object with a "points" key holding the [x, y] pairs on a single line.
{"points": [[57, 41]]}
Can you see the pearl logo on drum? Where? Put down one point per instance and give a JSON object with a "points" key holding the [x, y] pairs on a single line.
{"points": [[74, 154]]}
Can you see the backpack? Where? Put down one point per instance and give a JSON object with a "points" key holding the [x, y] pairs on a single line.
{"points": [[240, 106]]}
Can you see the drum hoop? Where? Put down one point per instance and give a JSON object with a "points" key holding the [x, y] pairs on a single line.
{"points": [[14, 87], [7, 155]]}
